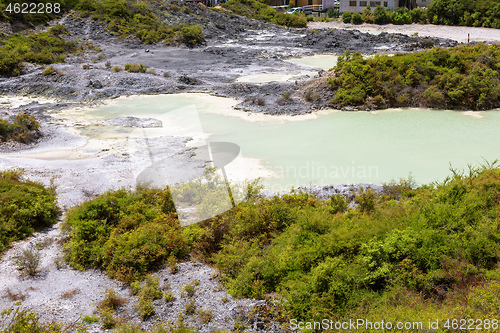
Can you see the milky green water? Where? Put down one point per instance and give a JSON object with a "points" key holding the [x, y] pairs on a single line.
{"points": [[336, 147], [323, 61]]}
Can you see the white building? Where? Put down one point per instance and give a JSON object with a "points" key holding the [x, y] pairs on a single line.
{"points": [[423, 3], [358, 5]]}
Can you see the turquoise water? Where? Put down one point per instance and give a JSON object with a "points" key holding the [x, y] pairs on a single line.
{"points": [[337, 147]]}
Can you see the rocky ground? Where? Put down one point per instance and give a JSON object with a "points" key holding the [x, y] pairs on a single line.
{"points": [[235, 46]]}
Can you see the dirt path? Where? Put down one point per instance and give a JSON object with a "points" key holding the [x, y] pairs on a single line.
{"points": [[458, 33]]}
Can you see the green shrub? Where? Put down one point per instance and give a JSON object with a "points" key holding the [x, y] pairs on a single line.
{"points": [[368, 16], [356, 18], [22, 320], [366, 199], [347, 17], [116, 69], [58, 30], [192, 34], [147, 294], [401, 15], [404, 253], [287, 20], [190, 307], [332, 12], [26, 207], [111, 301], [339, 204], [188, 290], [133, 68], [139, 235], [379, 15], [432, 244], [24, 129], [418, 15], [49, 70], [90, 319], [39, 48]]}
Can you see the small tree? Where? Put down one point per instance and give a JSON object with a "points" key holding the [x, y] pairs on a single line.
{"points": [[380, 15], [346, 17], [356, 18]]}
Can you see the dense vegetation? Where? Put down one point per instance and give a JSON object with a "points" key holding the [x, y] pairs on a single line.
{"points": [[26, 206], [23, 129], [383, 15], [430, 252], [465, 77], [261, 11], [38, 48], [476, 13], [127, 234]]}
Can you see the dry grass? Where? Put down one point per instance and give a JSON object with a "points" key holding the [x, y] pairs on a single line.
{"points": [[70, 294], [111, 300], [15, 296]]}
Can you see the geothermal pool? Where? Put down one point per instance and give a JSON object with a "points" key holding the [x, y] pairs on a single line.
{"points": [[328, 147]]}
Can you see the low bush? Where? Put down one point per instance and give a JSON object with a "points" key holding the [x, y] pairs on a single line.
{"points": [[133, 68], [444, 12], [126, 233], [38, 48], [332, 13], [356, 18], [147, 294], [188, 290], [347, 17], [192, 34], [26, 207], [23, 320], [49, 71], [24, 129], [28, 260], [361, 262]]}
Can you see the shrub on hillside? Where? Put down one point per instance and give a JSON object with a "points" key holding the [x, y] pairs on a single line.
{"points": [[134, 68], [39, 48], [192, 34], [24, 129], [26, 207], [126, 233]]}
